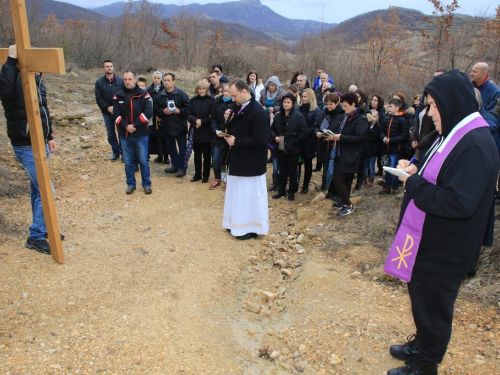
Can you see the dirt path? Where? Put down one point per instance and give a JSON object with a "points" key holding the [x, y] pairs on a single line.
{"points": [[155, 285]]}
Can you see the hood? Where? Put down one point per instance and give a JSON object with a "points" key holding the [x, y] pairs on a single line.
{"points": [[454, 98], [274, 80]]}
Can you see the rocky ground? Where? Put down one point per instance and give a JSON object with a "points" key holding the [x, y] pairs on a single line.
{"points": [[155, 285]]}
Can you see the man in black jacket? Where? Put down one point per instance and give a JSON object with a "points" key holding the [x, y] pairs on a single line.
{"points": [[448, 213], [105, 89], [245, 208], [132, 109], [11, 94], [171, 106]]}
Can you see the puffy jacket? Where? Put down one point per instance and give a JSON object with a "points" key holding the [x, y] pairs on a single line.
{"points": [[310, 144], [218, 121], [294, 131], [396, 129], [201, 107], [105, 91], [350, 146], [11, 94], [172, 124], [136, 111], [372, 143]]}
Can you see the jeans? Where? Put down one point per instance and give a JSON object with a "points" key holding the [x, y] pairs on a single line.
{"points": [[276, 166], [177, 157], [391, 181], [25, 156], [217, 153], [109, 122], [135, 150], [370, 166]]}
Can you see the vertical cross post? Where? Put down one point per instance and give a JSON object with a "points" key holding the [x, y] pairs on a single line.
{"points": [[31, 60]]}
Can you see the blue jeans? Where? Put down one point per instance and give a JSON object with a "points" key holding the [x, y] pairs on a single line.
{"points": [[276, 166], [370, 166], [217, 153], [25, 156], [135, 150], [391, 181], [109, 122], [177, 157]]}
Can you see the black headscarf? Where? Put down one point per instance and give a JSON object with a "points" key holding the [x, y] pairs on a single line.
{"points": [[454, 97]]}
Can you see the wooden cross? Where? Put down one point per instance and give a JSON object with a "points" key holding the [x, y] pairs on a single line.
{"points": [[31, 60]]}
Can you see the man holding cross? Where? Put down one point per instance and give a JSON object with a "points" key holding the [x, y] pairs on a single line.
{"points": [[11, 95]]}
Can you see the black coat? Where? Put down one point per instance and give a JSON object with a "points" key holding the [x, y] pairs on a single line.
{"points": [[11, 94], [172, 124], [218, 121], [372, 144], [201, 107], [248, 155], [136, 111], [152, 92], [350, 146], [334, 118], [397, 134], [310, 144], [294, 131], [105, 90]]}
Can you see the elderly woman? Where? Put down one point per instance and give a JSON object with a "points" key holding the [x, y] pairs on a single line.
{"points": [[200, 113], [155, 140], [271, 95], [253, 82], [311, 113], [289, 130]]}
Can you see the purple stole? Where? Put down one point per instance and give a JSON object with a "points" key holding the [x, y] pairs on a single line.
{"points": [[403, 252]]}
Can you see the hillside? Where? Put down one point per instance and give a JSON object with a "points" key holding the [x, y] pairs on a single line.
{"points": [[249, 13], [64, 10]]}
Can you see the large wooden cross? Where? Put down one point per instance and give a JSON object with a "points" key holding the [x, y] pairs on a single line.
{"points": [[31, 60]]}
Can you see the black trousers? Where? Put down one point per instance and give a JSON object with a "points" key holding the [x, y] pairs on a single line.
{"points": [[433, 297], [200, 149], [342, 183], [288, 168]]}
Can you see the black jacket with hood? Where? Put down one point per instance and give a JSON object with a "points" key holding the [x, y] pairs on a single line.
{"points": [[11, 94], [293, 127], [458, 208]]}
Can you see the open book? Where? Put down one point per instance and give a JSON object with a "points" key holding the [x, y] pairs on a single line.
{"points": [[328, 132], [396, 172]]}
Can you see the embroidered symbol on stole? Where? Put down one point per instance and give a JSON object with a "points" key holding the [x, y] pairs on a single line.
{"points": [[405, 253]]}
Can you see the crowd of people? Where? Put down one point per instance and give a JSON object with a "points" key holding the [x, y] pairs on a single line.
{"points": [[352, 135]]}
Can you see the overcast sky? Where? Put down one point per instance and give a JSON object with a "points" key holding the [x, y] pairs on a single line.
{"points": [[331, 11]]}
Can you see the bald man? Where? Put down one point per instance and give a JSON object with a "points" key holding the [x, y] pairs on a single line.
{"points": [[489, 91]]}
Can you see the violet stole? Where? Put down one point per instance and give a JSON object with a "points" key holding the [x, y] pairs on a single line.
{"points": [[403, 252]]}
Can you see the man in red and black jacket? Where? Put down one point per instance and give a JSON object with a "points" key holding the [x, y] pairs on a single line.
{"points": [[132, 109]]}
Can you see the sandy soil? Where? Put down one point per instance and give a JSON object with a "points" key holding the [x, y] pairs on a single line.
{"points": [[155, 285]]}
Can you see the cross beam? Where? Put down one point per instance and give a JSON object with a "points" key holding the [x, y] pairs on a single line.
{"points": [[31, 60]]}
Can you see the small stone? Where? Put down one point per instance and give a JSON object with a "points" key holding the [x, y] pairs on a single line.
{"points": [[270, 332], [286, 272], [336, 359], [320, 225], [251, 331], [284, 234], [145, 229], [301, 239], [172, 248], [302, 348], [322, 372], [86, 146], [270, 296], [472, 326], [275, 354], [84, 138], [84, 177], [285, 351], [280, 263], [252, 306]]}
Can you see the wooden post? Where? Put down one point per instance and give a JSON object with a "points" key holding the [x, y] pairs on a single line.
{"points": [[31, 60]]}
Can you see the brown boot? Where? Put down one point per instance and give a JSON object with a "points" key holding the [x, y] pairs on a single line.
{"points": [[365, 181], [370, 182]]}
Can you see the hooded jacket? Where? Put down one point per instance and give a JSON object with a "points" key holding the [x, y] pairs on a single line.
{"points": [[458, 207], [11, 94], [396, 129], [135, 108]]}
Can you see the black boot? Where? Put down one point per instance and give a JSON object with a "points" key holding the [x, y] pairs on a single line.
{"points": [[275, 183], [415, 366], [291, 193], [307, 180], [406, 351], [299, 172], [281, 193]]}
